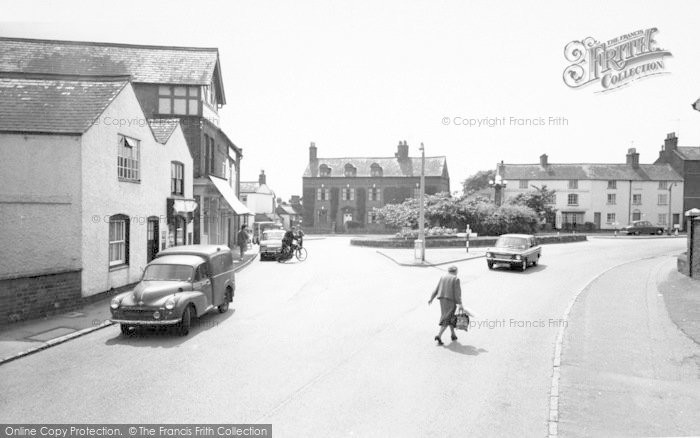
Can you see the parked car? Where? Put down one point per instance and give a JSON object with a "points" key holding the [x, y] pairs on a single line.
{"points": [[643, 227], [271, 244], [260, 227], [521, 250], [180, 284]]}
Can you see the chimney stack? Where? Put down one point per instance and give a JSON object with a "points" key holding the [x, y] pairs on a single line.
{"points": [[671, 142], [261, 179], [633, 158], [402, 151], [543, 160], [312, 153]]}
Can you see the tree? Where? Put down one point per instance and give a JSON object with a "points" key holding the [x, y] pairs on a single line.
{"points": [[540, 200], [480, 180]]}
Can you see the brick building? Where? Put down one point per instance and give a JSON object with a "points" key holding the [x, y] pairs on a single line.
{"points": [[686, 161], [169, 82], [343, 191]]}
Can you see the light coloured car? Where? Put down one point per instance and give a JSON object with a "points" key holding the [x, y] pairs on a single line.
{"points": [[180, 284], [514, 250], [271, 244]]}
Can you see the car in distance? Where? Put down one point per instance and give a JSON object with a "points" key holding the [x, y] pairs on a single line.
{"points": [[260, 227], [515, 250], [271, 244], [642, 227], [180, 284]]}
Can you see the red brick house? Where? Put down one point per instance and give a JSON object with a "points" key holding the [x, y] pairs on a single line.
{"points": [[341, 193]]}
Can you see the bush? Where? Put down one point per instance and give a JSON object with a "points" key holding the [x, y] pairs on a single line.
{"points": [[353, 225]]}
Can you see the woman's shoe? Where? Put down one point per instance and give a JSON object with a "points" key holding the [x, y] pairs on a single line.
{"points": [[439, 341], [454, 337]]}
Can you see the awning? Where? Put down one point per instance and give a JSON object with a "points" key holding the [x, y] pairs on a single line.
{"points": [[230, 196]]}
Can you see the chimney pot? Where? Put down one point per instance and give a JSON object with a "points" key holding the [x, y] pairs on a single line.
{"points": [[402, 151], [671, 142], [543, 160], [632, 158], [262, 179]]}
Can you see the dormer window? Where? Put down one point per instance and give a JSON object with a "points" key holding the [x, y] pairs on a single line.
{"points": [[324, 170], [179, 100], [350, 170], [376, 170]]}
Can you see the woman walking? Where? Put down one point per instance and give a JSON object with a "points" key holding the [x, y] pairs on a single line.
{"points": [[449, 292]]}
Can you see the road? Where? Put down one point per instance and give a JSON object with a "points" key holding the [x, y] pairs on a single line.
{"points": [[339, 345]]}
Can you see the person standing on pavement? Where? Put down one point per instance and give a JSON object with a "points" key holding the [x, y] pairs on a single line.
{"points": [[449, 293], [243, 240]]}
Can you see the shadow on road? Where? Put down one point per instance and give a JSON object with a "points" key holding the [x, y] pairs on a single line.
{"points": [[167, 337], [469, 350]]}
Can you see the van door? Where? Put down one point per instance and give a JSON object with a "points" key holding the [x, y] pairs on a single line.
{"points": [[203, 283]]}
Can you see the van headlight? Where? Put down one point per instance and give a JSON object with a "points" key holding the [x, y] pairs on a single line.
{"points": [[170, 304], [115, 303], [517, 257]]}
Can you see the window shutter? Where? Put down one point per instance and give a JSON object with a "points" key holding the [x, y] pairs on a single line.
{"points": [[352, 194], [328, 194]]}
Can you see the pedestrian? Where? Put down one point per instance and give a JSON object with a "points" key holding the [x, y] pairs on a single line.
{"points": [[300, 237], [243, 240], [449, 293]]}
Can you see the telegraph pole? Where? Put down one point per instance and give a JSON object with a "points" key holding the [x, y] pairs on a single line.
{"points": [[421, 214]]}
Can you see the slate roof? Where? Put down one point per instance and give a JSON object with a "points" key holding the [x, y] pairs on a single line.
{"points": [[58, 105], [591, 171], [689, 152], [163, 128], [391, 167], [145, 64], [287, 209]]}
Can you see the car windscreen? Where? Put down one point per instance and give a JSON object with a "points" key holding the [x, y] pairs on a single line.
{"points": [[273, 235], [157, 272], [511, 242]]}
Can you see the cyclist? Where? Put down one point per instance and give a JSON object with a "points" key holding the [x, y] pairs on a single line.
{"points": [[287, 241]]}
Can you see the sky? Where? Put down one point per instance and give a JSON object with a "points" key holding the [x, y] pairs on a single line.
{"points": [[357, 77]]}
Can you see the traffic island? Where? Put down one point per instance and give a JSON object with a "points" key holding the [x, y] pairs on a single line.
{"points": [[455, 242]]}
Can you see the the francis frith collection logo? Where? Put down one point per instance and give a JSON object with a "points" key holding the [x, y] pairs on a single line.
{"points": [[616, 62]]}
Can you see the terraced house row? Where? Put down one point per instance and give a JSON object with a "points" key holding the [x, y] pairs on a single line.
{"points": [[111, 153]]}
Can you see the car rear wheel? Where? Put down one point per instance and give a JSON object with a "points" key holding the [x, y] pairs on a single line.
{"points": [[534, 263], [183, 328]]}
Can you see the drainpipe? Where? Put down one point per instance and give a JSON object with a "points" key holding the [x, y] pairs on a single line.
{"points": [[629, 205]]}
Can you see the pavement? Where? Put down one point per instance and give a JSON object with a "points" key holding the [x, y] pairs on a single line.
{"points": [[626, 368], [28, 337], [433, 256]]}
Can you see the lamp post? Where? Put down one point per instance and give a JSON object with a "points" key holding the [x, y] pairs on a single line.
{"points": [[421, 211], [670, 220], [498, 184]]}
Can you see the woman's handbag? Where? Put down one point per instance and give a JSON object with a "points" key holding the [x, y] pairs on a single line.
{"points": [[461, 321]]}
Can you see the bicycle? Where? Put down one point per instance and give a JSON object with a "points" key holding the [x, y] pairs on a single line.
{"points": [[296, 251]]}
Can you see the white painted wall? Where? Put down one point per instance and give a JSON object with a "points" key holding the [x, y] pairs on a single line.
{"points": [[593, 197], [39, 203], [104, 195]]}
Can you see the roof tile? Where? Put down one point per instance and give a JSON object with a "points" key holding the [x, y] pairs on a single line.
{"points": [[55, 106]]}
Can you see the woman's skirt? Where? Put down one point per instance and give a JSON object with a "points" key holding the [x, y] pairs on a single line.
{"points": [[447, 308]]}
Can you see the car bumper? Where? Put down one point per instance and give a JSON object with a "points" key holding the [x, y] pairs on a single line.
{"points": [[138, 322], [501, 260]]}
